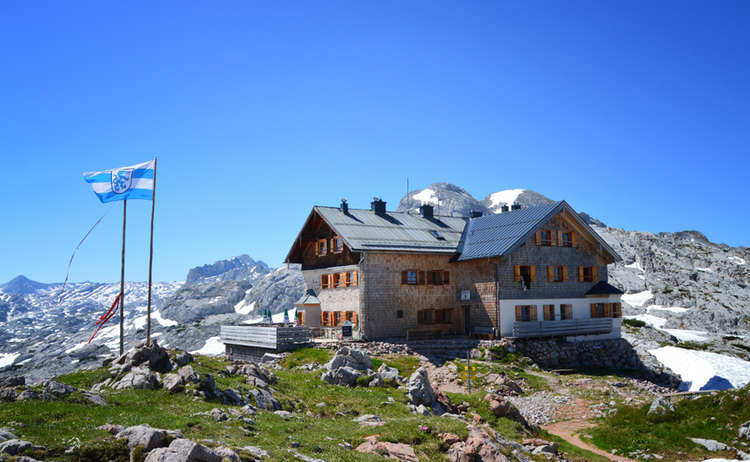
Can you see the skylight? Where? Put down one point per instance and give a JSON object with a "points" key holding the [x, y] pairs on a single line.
{"points": [[436, 235]]}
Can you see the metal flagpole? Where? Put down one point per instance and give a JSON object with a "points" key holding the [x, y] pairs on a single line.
{"points": [[151, 258], [122, 276]]}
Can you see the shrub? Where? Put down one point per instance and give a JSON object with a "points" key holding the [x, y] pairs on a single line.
{"points": [[637, 323]]}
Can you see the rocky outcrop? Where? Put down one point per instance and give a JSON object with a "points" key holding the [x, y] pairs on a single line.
{"points": [[346, 366], [140, 378], [183, 450], [660, 406], [236, 268], [15, 447], [398, 451], [146, 436], [744, 431], [197, 301], [419, 391], [479, 445], [276, 291]]}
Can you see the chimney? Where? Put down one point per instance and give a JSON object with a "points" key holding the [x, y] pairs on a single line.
{"points": [[476, 213], [344, 207], [427, 211], [377, 205], [504, 208], [515, 206]]}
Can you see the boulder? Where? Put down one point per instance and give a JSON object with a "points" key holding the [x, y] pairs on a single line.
{"points": [[232, 396], [369, 420], [284, 414], [208, 386], [218, 415], [144, 435], [255, 371], [28, 394], [94, 398], [15, 446], [188, 374], [377, 381], [57, 389], [111, 428], [399, 451], [389, 374], [744, 430], [183, 450], [264, 400], [342, 376], [711, 445], [448, 438], [140, 378], [152, 356], [660, 406], [227, 454], [479, 446], [8, 394], [255, 451], [173, 383], [183, 358], [12, 381], [6, 435], [419, 389]]}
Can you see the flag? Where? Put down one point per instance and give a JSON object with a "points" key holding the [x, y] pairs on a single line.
{"points": [[134, 182]]}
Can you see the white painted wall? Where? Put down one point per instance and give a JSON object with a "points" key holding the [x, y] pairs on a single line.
{"points": [[581, 310]]}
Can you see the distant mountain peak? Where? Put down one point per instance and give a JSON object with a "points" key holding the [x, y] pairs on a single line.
{"points": [[524, 197], [22, 285], [241, 267], [447, 198]]}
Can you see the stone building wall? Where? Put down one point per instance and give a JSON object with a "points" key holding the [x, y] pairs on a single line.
{"points": [[383, 294], [478, 277], [334, 298]]}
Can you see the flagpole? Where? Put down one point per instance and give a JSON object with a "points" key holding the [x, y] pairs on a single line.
{"points": [[122, 276], [151, 258]]}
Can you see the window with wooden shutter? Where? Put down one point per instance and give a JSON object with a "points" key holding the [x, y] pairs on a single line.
{"points": [[533, 274], [436, 278], [355, 319], [560, 241], [355, 278], [565, 273], [566, 311], [324, 281], [580, 274], [593, 273], [532, 313], [519, 313], [617, 310], [538, 237], [549, 312], [517, 273], [553, 237], [321, 247], [336, 280], [607, 310], [550, 273], [422, 278], [593, 310], [573, 236], [446, 277], [323, 318], [404, 277], [347, 279]]}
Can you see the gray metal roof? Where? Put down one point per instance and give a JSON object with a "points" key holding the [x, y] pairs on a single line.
{"points": [[498, 235], [364, 230]]}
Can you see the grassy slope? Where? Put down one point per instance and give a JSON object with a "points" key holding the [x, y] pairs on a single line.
{"points": [[714, 417], [60, 424]]}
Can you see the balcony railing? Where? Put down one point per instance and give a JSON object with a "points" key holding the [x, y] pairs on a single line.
{"points": [[561, 328]]}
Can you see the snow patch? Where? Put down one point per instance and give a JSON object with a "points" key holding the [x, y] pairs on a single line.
{"points": [[671, 309], [76, 347], [635, 265], [6, 359], [213, 347], [653, 321], [164, 321], [737, 260], [707, 270], [703, 370], [508, 196], [243, 307], [689, 335], [425, 196], [638, 299]]}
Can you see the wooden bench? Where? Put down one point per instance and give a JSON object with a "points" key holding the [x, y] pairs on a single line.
{"points": [[419, 333]]}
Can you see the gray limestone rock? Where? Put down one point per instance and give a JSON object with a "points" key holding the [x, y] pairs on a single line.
{"points": [[188, 374], [264, 400], [15, 446], [6, 435], [660, 406], [57, 389], [173, 383], [744, 430], [419, 389], [139, 378], [183, 450], [144, 435], [711, 445]]}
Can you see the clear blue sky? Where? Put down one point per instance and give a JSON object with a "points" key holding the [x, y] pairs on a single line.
{"points": [[635, 112]]}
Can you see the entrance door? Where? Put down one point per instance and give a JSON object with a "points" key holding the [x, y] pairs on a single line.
{"points": [[467, 320]]}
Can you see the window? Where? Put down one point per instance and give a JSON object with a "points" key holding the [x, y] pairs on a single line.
{"points": [[567, 239], [426, 317], [525, 274], [337, 245], [444, 316], [587, 273], [566, 311], [557, 273], [436, 235], [598, 310], [436, 277], [549, 312], [545, 237], [412, 277], [325, 281], [321, 247], [525, 313], [337, 281], [400, 314], [617, 310], [337, 318]]}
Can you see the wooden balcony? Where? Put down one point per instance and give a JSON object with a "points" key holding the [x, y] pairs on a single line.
{"points": [[562, 328]]}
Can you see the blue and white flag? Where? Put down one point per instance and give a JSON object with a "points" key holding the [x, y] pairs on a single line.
{"points": [[134, 182]]}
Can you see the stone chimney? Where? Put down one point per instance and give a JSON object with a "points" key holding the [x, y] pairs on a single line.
{"points": [[377, 205]]}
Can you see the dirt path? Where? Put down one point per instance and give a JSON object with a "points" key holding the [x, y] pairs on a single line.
{"points": [[568, 430]]}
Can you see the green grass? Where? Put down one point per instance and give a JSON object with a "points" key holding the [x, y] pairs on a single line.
{"points": [[306, 356], [406, 365], [712, 417], [85, 379]]}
